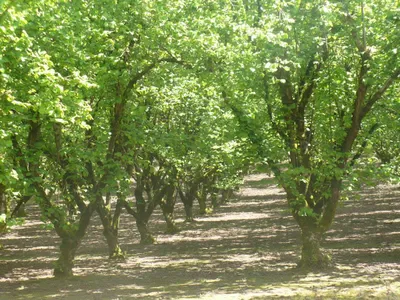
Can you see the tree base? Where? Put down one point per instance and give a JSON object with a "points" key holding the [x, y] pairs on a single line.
{"points": [[62, 272], [149, 240], [316, 263], [117, 255], [313, 258], [172, 229]]}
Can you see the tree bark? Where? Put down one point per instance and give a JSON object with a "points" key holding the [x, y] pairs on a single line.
{"points": [[189, 211], [3, 203], [167, 207], [142, 217], [111, 227], [170, 220], [202, 199], [114, 250], [312, 257], [188, 199], [70, 241], [145, 236], [3, 209], [65, 262]]}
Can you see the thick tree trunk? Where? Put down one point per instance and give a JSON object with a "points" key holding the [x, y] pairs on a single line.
{"points": [[170, 220], [65, 262], [189, 211], [314, 226], [145, 236], [70, 241], [312, 257], [114, 250], [188, 200], [167, 207]]}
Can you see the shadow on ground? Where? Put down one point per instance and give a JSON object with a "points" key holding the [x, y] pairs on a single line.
{"points": [[246, 249]]}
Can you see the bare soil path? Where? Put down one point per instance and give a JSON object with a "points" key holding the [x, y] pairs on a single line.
{"points": [[246, 249]]}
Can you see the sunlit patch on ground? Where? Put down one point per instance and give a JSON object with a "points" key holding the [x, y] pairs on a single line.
{"points": [[246, 249]]}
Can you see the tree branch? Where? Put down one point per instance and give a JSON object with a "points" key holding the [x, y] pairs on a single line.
{"points": [[144, 72], [358, 115], [129, 209], [378, 94], [363, 145]]}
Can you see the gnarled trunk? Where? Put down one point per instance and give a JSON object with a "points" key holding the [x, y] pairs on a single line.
{"points": [[65, 262], [314, 220], [312, 257]]}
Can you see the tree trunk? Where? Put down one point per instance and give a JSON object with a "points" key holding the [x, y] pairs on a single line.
{"points": [[2, 198], [189, 212], [19, 209], [110, 227], [3, 203], [188, 200], [167, 207], [226, 195], [145, 236], [314, 226], [312, 257], [70, 241], [114, 250], [65, 262], [3, 223], [214, 200], [142, 217], [202, 199], [170, 220]]}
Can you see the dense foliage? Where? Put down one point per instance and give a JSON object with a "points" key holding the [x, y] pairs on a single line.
{"points": [[106, 106]]}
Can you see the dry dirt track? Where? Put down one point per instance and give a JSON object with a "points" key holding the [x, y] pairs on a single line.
{"points": [[246, 249]]}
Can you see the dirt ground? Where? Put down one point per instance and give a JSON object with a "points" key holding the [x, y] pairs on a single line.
{"points": [[246, 249]]}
